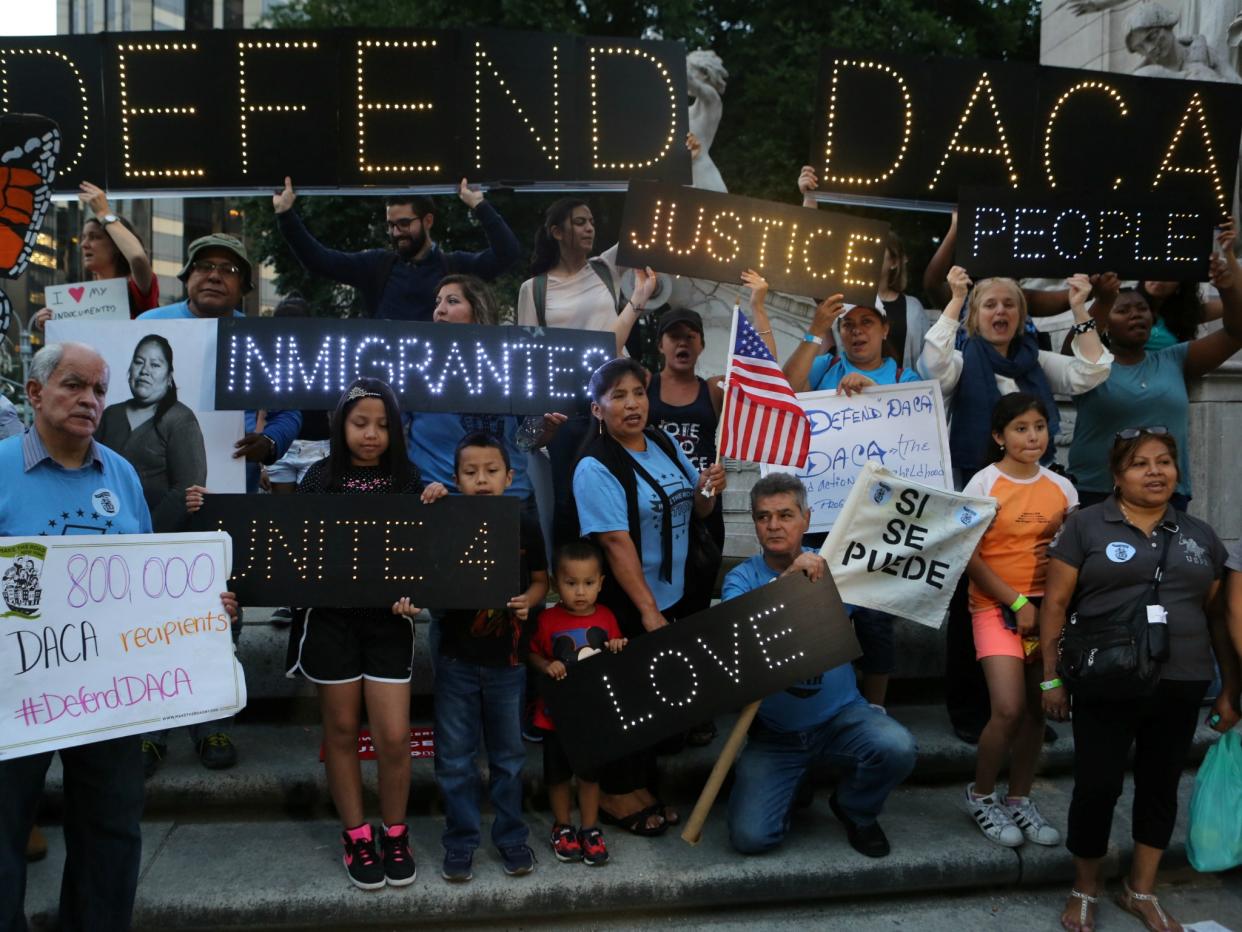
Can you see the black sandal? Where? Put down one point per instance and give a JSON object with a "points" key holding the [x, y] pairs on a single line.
{"points": [[663, 810], [636, 822]]}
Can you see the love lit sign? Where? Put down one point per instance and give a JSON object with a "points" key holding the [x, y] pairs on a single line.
{"points": [[712, 662], [706, 234], [894, 127], [367, 107], [1001, 232], [369, 550], [284, 363]]}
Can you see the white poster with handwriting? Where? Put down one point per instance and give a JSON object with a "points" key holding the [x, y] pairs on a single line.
{"points": [[106, 636], [901, 427], [102, 299]]}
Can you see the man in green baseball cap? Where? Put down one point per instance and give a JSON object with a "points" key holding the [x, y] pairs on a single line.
{"points": [[216, 274]]}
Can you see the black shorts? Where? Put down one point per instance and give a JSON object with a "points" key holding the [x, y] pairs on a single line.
{"points": [[343, 646], [556, 766]]}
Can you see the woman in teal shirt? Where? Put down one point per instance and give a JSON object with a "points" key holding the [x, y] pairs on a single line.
{"points": [[863, 357]]}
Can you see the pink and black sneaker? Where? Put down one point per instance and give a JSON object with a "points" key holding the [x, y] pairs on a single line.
{"points": [[565, 843], [362, 864], [594, 851], [399, 866]]}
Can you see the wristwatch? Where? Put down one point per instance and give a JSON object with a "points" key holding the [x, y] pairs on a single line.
{"points": [[108, 218]]}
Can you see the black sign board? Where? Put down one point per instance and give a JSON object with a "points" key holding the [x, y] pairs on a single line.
{"points": [[368, 550], [1001, 232], [285, 363], [714, 661], [896, 127], [337, 109], [705, 234]]}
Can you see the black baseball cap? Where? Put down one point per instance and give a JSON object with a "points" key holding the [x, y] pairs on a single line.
{"points": [[680, 315]]}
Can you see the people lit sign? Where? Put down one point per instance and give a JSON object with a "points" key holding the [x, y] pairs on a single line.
{"points": [[217, 110], [282, 363], [895, 127], [705, 234]]}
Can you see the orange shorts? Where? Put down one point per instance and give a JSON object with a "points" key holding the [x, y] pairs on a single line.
{"points": [[992, 638]]}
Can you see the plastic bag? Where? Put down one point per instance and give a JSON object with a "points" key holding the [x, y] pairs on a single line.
{"points": [[1214, 842]]}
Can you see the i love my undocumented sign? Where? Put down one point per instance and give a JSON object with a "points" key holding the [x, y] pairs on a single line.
{"points": [[341, 109], [107, 636], [369, 550], [905, 128], [1144, 237], [715, 661], [706, 234], [283, 363]]}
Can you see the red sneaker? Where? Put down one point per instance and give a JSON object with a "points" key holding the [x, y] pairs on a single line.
{"points": [[565, 843], [594, 851]]}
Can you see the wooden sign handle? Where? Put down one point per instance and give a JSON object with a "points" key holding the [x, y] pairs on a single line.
{"points": [[693, 831]]}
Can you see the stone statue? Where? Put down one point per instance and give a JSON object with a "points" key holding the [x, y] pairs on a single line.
{"points": [[706, 78], [1212, 35]]}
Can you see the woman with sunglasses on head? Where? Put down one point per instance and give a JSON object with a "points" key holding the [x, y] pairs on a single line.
{"points": [[1153, 382], [1102, 562]]}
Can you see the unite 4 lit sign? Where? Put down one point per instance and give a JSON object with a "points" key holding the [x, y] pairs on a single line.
{"points": [[347, 108], [893, 127], [308, 364]]}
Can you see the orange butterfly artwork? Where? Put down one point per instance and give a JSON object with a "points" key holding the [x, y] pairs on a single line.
{"points": [[29, 145]]}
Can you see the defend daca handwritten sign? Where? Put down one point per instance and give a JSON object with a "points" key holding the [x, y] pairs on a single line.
{"points": [[218, 110], [107, 636], [901, 426], [105, 299], [287, 363], [1050, 236], [897, 127], [706, 234], [368, 551], [714, 661]]}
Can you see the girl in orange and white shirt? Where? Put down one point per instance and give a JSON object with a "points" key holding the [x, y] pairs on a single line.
{"points": [[1006, 580]]}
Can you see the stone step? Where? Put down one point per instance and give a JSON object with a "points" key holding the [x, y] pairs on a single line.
{"points": [[279, 775], [287, 874]]}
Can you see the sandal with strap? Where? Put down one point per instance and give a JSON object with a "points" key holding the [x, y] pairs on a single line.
{"points": [[1085, 902], [1129, 900], [636, 822]]}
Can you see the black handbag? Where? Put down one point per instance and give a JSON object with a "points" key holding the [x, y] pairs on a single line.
{"points": [[1109, 656]]}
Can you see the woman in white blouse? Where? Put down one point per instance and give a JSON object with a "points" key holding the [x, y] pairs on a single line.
{"points": [[999, 357]]}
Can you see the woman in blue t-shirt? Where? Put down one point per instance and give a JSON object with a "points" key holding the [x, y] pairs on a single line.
{"points": [[634, 491], [861, 358]]}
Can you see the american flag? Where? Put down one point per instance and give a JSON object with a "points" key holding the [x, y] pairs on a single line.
{"points": [[763, 422]]}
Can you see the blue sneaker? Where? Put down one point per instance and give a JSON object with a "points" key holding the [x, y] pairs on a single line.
{"points": [[457, 865], [519, 860]]}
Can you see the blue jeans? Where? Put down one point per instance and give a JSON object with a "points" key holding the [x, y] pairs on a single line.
{"points": [[878, 752], [473, 699], [103, 806]]}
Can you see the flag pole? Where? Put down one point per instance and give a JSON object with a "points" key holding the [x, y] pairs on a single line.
{"points": [[724, 405]]}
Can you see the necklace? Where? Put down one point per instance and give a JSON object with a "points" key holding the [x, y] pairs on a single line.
{"points": [[1126, 514]]}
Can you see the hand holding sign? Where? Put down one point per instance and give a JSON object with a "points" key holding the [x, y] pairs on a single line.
{"points": [[283, 200], [959, 283]]}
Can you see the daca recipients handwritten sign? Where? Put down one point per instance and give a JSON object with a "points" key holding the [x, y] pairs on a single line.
{"points": [[336, 109], [111, 636], [706, 234], [1001, 232], [306, 364], [897, 127], [714, 661], [901, 426], [900, 546], [369, 550]]}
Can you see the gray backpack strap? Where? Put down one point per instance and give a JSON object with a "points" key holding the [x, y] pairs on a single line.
{"points": [[540, 294], [600, 268]]}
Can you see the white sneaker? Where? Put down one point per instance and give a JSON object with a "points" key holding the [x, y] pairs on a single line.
{"points": [[993, 819], [1027, 818]]}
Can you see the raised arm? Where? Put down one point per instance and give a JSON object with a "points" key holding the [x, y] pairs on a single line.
{"points": [[502, 246], [126, 243], [758, 286], [644, 286], [350, 268], [807, 182], [941, 360], [798, 368], [1208, 352], [936, 275]]}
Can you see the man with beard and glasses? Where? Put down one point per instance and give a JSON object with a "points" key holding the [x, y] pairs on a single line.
{"points": [[400, 283]]}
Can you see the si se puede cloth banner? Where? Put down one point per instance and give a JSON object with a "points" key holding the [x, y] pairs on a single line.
{"points": [[900, 546], [108, 636]]}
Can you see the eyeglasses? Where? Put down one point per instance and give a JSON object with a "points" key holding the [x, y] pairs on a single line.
{"points": [[401, 224], [224, 268], [1133, 433]]}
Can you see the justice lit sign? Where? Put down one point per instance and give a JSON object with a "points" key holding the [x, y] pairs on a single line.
{"points": [[1147, 238], [706, 234], [897, 127], [369, 550], [307, 364], [218, 110], [735, 652]]}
